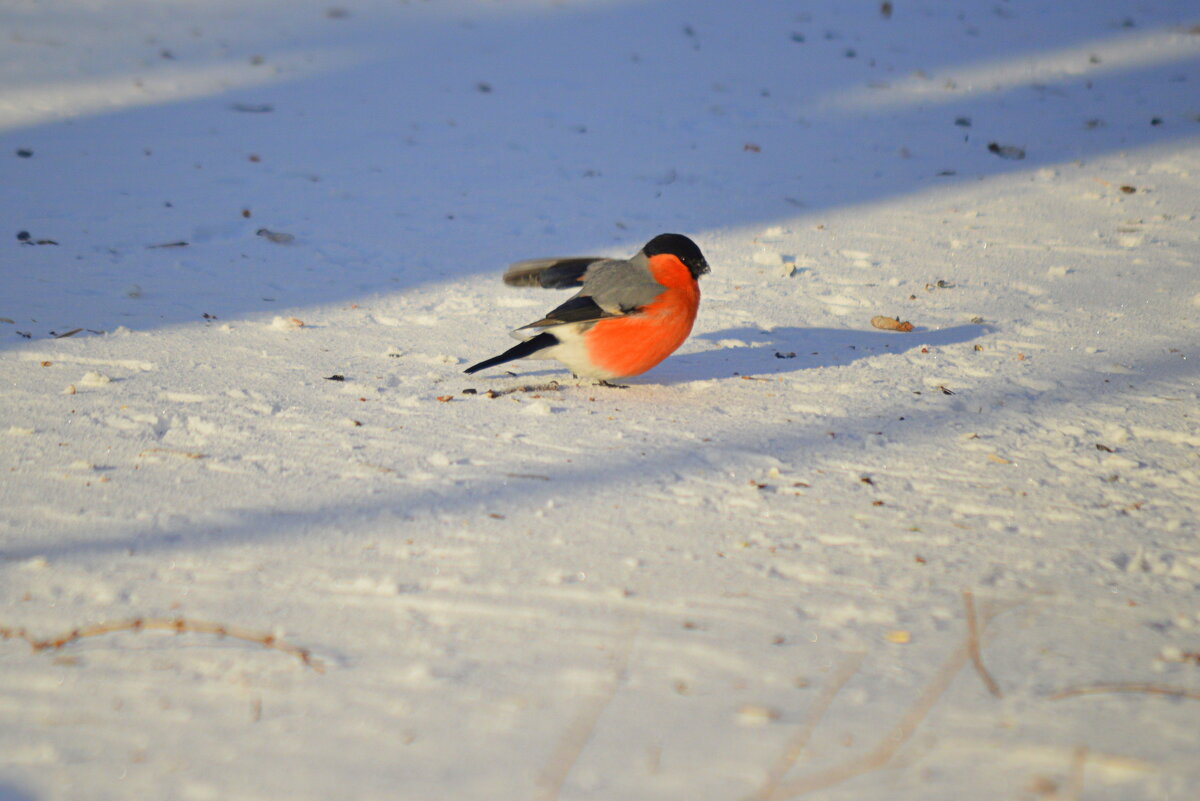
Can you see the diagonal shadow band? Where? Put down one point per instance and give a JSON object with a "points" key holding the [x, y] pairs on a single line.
{"points": [[607, 475]]}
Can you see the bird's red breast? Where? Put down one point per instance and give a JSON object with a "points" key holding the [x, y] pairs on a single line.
{"points": [[631, 345]]}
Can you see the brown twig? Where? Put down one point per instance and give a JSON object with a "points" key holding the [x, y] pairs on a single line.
{"points": [[173, 452], [575, 740], [552, 386], [1075, 783], [1130, 687], [973, 645], [787, 759], [178, 625], [882, 753], [887, 748]]}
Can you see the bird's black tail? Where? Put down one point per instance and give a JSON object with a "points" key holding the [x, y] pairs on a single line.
{"points": [[519, 351]]}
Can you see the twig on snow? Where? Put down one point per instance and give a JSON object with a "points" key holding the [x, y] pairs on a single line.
{"points": [[178, 625], [833, 686], [1075, 783], [973, 645], [900, 734], [576, 738], [552, 386], [1127, 687]]}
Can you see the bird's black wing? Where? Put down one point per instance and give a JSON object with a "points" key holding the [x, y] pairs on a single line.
{"points": [[579, 309], [551, 273]]}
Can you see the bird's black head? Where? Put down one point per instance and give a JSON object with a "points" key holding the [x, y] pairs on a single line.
{"points": [[680, 246]]}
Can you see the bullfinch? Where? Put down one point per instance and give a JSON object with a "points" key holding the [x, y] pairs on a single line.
{"points": [[628, 315]]}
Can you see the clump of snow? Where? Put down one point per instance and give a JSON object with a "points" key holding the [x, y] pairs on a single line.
{"points": [[286, 323], [537, 407]]}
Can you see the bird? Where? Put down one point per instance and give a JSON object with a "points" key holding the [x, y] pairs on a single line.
{"points": [[628, 315]]}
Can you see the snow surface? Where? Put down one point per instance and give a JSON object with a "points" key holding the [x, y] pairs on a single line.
{"points": [[585, 592]]}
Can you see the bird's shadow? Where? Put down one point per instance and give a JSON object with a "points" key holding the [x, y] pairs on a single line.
{"points": [[755, 352]]}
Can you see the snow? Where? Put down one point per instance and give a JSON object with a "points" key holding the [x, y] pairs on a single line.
{"points": [[740, 577]]}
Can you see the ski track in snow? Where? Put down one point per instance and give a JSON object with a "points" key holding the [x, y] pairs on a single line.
{"points": [[275, 433]]}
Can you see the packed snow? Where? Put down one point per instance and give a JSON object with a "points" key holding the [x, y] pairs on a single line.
{"points": [[268, 541]]}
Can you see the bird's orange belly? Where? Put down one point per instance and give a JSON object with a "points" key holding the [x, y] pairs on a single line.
{"points": [[627, 346]]}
